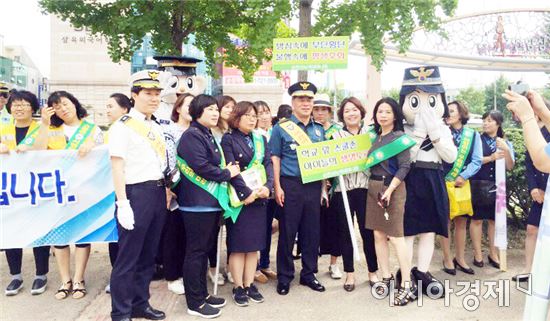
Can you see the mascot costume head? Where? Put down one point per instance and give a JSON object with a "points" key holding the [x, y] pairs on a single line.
{"points": [[422, 92], [179, 76]]}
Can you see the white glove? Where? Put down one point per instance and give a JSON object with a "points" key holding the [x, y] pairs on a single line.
{"points": [[432, 123], [419, 129], [125, 214]]}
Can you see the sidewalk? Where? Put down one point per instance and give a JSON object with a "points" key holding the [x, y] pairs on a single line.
{"points": [[300, 304]]}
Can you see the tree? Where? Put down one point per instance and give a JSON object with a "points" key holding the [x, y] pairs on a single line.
{"points": [[392, 93], [169, 22], [493, 93], [377, 19], [304, 28], [474, 99]]}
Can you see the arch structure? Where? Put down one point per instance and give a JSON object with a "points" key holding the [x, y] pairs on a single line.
{"points": [[504, 40]]}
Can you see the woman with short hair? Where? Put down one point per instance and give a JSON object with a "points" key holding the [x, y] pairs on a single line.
{"points": [[246, 234], [202, 199], [18, 136]]}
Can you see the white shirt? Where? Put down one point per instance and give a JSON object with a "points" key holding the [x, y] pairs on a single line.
{"points": [[97, 134], [141, 162]]}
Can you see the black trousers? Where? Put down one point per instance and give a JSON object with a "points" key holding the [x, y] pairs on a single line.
{"points": [[41, 257], [200, 236], [358, 205], [173, 246], [300, 215], [134, 266], [113, 252]]}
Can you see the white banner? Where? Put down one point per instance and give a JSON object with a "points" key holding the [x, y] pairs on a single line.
{"points": [[501, 237], [56, 198]]}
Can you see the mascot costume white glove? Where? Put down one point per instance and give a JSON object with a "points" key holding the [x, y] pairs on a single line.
{"points": [[422, 100]]}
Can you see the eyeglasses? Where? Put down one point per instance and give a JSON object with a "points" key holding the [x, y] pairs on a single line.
{"points": [[251, 116], [20, 106]]}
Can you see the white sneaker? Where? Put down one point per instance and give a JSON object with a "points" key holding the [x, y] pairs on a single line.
{"points": [[335, 272], [176, 286], [221, 280]]}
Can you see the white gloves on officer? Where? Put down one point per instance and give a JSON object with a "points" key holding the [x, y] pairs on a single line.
{"points": [[419, 129], [125, 214]]}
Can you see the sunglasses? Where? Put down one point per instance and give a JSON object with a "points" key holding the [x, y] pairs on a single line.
{"points": [[5, 95]]}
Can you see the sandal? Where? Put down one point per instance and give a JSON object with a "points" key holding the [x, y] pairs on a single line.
{"points": [[64, 291], [80, 292], [382, 288], [404, 296]]}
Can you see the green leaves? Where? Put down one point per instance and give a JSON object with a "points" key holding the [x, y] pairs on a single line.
{"points": [[378, 21], [124, 23]]}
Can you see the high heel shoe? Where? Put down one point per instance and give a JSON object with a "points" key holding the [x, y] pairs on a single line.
{"points": [[493, 263], [449, 271], [463, 269], [478, 263]]}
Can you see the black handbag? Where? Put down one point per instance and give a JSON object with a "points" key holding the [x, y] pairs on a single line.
{"points": [[484, 193]]}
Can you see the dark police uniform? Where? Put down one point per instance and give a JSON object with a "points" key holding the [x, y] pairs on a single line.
{"points": [[535, 179], [145, 189], [201, 211], [301, 208], [246, 234]]}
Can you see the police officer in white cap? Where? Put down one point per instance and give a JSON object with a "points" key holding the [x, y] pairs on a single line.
{"points": [[138, 157]]}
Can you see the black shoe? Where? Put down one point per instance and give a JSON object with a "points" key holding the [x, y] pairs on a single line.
{"points": [[240, 297], [463, 269], [215, 302], [449, 271], [149, 313], [314, 285], [205, 311], [429, 283], [38, 286], [493, 263], [283, 288], [521, 277], [254, 294], [478, 263], [297, 256], [14, 287]]}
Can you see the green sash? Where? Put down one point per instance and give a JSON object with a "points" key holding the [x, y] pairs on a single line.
{"points": [[331, 130], [80, 135], [466, 140], [30, 137], [218, 190], [389, 150], [254, 165]]}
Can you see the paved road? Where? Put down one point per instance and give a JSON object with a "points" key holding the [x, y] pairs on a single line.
{"points": [[300, 304]]}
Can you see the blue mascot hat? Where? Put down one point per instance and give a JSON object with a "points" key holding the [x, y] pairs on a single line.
{"points": [[425, 78]]}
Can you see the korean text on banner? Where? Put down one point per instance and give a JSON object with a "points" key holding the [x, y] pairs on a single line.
{"points": [[310, 53], [333, 157], [55, 197]]}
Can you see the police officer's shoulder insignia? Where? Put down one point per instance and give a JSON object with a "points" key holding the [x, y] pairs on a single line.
{"points": [[125, 118]]}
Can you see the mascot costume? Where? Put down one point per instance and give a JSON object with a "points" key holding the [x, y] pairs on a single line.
{"points": [[422, 100]]}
